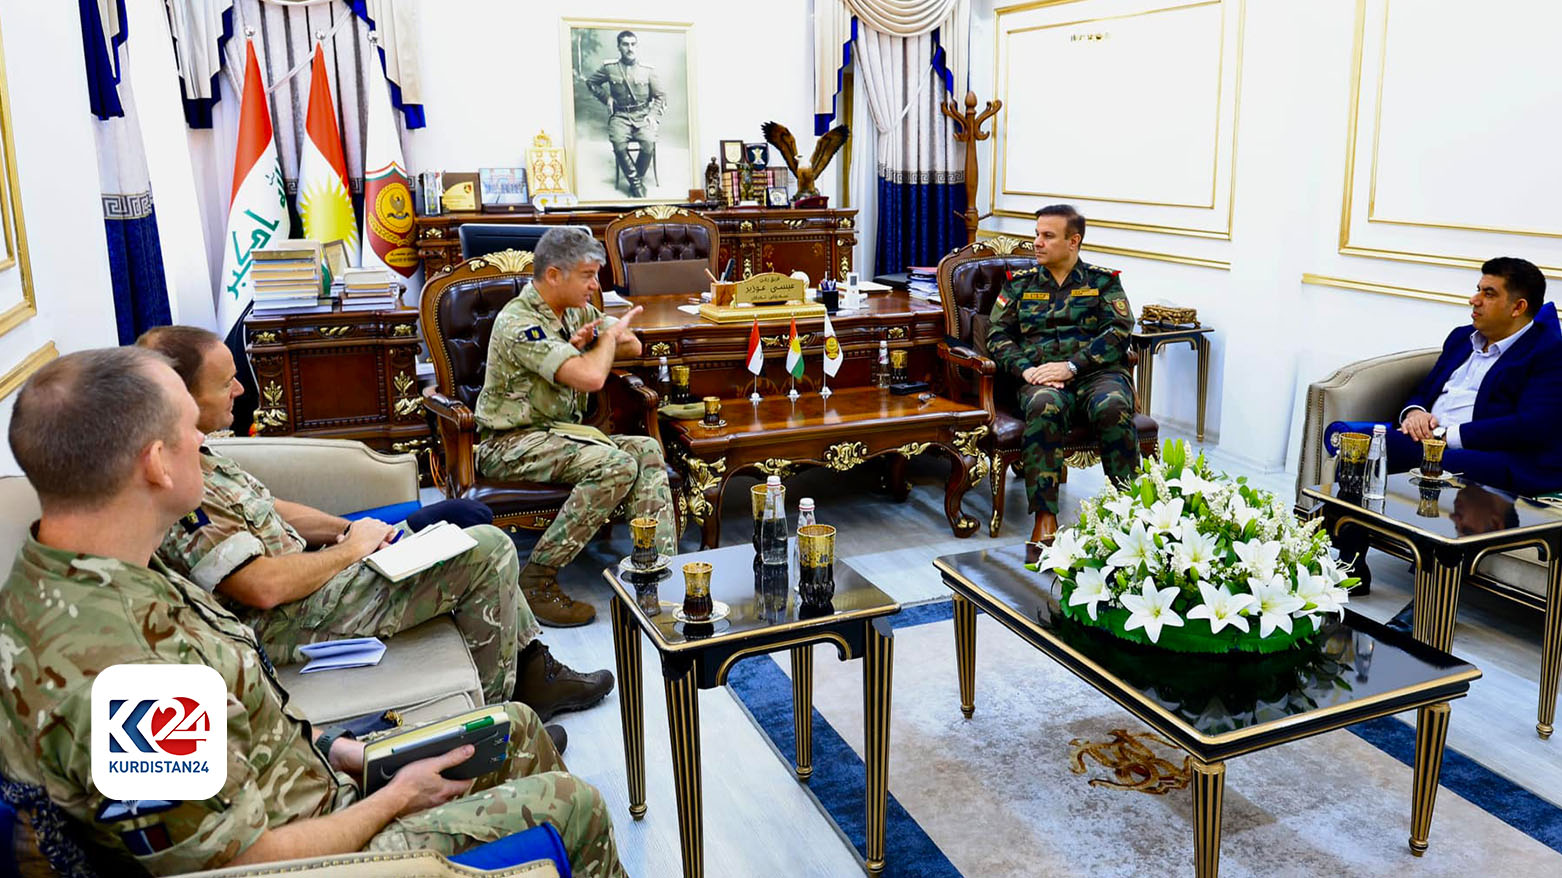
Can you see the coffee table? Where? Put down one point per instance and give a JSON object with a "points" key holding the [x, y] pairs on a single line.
{"points": [[1445, 528], [765, 617], [1171, 692]]}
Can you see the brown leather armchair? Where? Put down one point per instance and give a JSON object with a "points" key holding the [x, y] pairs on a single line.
{"points": [[968, 282], [660, 233], [457, 311]]}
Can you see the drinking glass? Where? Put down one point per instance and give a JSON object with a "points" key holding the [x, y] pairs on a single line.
{"points": [[816, 563], [696, 594]]}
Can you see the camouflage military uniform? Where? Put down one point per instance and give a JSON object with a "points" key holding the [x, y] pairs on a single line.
{"points": [[65, 617], [519, 402], [635, 99], [1086, 322], [238, 521]]}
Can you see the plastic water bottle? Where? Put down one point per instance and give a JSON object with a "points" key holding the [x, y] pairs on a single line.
{"points": [[1376, 481], [805, 517], [664, 380], [772, 527], [881, 371]]}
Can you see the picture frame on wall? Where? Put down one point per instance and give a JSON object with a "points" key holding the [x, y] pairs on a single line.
{"points": [[731, 155], [629, 105]]}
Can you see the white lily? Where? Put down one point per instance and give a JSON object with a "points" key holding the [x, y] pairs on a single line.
{"points": [[1243, 513], [1166, 516], [1258, 558], [1190, 483], [1273, 603], [1090, 588], [1066, 551], [1119, 506], [1196, 552], [1134, 548], [1151, 609], [1318, 594], [1221, 608]]}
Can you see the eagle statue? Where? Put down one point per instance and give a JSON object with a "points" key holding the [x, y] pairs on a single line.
{"points": [[778, 136]]}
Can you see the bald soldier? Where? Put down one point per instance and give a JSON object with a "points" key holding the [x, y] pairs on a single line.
{"points": [[252, 550], [108, 438], [550, 347]]}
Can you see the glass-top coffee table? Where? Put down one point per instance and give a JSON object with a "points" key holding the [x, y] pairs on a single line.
{"points": [[763, 616], [1445, 528], [1219, 707]]}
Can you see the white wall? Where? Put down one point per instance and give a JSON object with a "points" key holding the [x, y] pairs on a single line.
{"points": [[1276, 333], [61, 205]]}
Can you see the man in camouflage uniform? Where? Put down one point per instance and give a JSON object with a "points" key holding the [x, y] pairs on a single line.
{"points": [[249, 548], [635, 100], [109, 440], [549, 348], [1062, 328]]}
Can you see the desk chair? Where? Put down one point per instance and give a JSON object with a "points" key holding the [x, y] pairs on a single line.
{"points": [[969, 280], [661, 233], [457, 312]]}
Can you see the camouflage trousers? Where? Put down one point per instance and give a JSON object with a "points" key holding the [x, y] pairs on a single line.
{"points": [[633, 473], [532, 789], [477, 588], [1106, 402]]}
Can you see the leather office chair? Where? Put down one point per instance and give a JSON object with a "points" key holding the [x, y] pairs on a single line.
{"points": [[969, 280], [660, 233], [458, 309]]}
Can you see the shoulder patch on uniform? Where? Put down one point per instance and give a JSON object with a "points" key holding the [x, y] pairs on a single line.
{"points": [[535, 332], [1121, 307], [114, 810], [195, 520], [1024, 272], [1104, 270]]}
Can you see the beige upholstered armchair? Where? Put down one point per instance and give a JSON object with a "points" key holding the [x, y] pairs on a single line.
{"points": [[1374, 390]]}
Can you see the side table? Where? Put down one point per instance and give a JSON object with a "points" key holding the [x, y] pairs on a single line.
{"points": [[1148, 340]]}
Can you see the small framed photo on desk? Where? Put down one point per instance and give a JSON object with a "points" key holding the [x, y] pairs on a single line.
{"points": [[776, 196], [731, 155]]}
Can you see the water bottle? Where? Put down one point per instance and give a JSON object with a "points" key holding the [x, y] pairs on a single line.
{"points": [[1376, 481], [664, 380], [881, 371], [772, 527], [805, 517]]}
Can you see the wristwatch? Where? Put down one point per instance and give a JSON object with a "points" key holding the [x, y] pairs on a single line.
{"points": [[1071, 367], [328, 737], [1439, 432]]}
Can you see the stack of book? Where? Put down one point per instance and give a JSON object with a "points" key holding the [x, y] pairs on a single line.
{"points": [[922, 282], [368, 289], [289, 278]]}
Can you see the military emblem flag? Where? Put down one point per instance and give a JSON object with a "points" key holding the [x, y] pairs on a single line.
{"points": [[387, 194], [832, 350]]}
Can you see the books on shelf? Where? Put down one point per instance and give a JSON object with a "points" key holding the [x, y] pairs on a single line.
{"points": [[288, 277], [922, 281]]}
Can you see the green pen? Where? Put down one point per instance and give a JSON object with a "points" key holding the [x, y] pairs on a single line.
{"points": [[479, 723]]}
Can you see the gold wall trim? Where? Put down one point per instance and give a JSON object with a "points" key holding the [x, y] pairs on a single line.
{"points": [[1321, 280], [1197, 261], [19, 373], [1434, 259], [1000, 83], [12, 227]]}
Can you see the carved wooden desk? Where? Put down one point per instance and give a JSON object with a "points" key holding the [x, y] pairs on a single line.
{"points": [[777, 436]]}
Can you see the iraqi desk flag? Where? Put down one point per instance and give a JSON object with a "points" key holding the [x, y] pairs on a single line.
{"points": [[832, 350], [387, 197], [324, 202], [756, 356], [257, 207], [794, 353]]}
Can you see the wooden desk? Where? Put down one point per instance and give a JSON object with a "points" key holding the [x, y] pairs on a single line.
{"points": [[778, 435], [716, 353]]}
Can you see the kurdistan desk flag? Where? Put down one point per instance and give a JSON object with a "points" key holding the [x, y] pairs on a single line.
{"points": [[257, 207], [324, 202], [387, 195], [794, 353]]}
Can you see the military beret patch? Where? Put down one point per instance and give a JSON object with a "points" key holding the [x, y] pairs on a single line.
{"points": [[534, 333], [195, 521]]}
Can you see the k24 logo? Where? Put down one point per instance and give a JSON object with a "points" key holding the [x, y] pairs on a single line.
{"points": [[159, 731]]}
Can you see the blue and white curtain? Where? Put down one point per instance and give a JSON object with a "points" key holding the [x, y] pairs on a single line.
{"points": [[135, 253]]}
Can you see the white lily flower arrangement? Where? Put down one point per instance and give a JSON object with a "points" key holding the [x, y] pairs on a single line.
{"points": [[1195, 561]]}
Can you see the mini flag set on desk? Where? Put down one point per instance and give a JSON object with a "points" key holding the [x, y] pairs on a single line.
{"points": [[833, 357]]}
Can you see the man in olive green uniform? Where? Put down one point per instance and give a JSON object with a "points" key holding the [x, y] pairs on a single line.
{"points": [[635, 100], [549, 348], [249, 548], [1062, 328], [109, 440]]}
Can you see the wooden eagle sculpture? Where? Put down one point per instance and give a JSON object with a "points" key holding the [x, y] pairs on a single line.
{"points": [[778, 136]]}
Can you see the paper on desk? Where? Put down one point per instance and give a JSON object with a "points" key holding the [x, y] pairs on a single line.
{"points": [[611, 299], [356, 652], [690, 309]]}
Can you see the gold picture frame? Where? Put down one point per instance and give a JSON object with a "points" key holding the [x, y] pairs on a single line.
{"points": [[15, 266]]}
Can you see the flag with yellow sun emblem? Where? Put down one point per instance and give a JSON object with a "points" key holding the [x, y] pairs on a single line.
{"points": [[324, 203]]}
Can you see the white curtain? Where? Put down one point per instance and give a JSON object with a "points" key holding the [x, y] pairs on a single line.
{"points": [[898, 18]]}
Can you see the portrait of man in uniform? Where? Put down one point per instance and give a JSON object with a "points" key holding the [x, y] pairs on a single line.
{"points": [[630, 125]]}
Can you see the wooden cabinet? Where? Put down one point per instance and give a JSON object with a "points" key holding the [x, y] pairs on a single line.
{"points": [[818, 242], [339, 375]]}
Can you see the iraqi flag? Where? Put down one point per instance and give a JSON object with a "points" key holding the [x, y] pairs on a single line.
{"points": [[794, 353], [257, 207], [324, 203], [387, 194], [756, 356], [832, 350]]}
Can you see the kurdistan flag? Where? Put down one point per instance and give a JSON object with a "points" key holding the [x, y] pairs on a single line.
{"points": [[257, 207], [387, 197], [794, 353], [324, 202]]}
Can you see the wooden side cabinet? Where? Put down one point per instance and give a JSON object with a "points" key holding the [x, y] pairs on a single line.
{"points": [[339, 375]]}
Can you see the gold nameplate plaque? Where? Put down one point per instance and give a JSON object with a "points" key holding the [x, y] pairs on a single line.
{"points": [[767, 296]]}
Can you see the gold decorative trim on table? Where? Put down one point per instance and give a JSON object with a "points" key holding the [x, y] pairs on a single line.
{"points": [[968, 443], [661, 349], [333, 331], [273, 414], [1133, 764], [702, 477], [845, 455], [403, 330], [265, 336], [895, 333], [775, 466]]}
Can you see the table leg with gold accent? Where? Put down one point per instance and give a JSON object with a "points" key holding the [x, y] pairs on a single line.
{"points": [[1201, 343], [1431, 734], [683, 728], [877, 665], [1551, 642], [803, 709], [631, 708], [1209, 787], [1438, 579], [965, 652]]}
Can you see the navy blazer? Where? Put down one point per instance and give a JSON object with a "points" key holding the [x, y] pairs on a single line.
{"points": [[1518, 409]]}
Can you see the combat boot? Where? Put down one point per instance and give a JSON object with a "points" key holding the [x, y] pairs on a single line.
{"points": [[548, 686], [549, 603]]}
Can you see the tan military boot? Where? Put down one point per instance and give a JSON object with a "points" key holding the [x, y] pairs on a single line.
{"points": [[549, 686], [549, 603]]}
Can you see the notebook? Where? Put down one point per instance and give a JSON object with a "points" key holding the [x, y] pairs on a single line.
{"points": [[673, 276], [420, 551]]}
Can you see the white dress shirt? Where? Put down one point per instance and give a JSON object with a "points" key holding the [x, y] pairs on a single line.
{"points": [[1455, 406]]}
